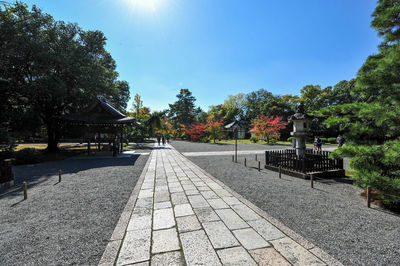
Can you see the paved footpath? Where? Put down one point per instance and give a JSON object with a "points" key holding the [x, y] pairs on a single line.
{"points": [[180, 215]]}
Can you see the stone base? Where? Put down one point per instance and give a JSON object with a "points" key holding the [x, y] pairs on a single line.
{"points": [[325, 174]]}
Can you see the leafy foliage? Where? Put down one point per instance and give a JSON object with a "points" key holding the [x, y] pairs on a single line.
{"points": [[268, 127], [372, 122], [215, 129], [183, 111], [196, 132], [52, 68]]}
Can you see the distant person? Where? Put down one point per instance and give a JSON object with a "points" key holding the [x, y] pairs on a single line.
{"points": [[163, 140], [318, 144], [340, 141], [158, 140], [115, 147], [315, 143], [168, 139]]}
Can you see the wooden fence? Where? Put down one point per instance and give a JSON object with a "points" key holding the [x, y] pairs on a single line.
{"points": [[313, 161]]}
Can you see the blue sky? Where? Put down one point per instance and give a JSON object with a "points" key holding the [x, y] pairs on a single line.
{"points": [[217, 48]]}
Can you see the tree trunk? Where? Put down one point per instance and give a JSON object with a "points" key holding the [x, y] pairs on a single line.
{"points": [[53, 137]]}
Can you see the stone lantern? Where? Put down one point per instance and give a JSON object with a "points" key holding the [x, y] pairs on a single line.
{"points": [[300, 124]]}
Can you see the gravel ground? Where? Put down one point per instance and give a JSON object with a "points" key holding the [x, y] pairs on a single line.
{"points": [[332, 215], [68, 222]]}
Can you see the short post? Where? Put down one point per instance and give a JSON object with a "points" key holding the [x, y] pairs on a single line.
{"points": [[233, 158], [256, 157], [245, 162], [25, 188], [259, 165], [369, 197], [280, 171], [59, 175], [312, 181]]}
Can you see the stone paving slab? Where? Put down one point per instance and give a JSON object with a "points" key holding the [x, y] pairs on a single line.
{"points": [[183, 216], [198, 249], [220, 235], [165, 240], [235, 256]]}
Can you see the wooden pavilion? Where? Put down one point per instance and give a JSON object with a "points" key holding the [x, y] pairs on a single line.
{"points": [[99, 119], [236, 125]]}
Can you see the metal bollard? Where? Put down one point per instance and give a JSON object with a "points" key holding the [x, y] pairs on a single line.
{"points": [[312, 181], [233, 158], [245, 162], [25, 188], [256, 157], [280, 172], [59, 175], [259, 165], [369, 197]]}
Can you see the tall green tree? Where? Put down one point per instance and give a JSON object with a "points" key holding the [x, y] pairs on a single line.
{"points": [[183, 111], [53, 67], [372, 123]]}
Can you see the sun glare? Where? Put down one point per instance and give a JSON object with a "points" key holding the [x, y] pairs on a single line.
{"points": [[143, 4]]}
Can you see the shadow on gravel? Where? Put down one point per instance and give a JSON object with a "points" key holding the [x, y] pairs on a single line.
{"points": [[35, 174]]}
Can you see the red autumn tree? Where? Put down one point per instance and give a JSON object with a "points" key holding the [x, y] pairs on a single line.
{"points": [[196, 132], [268, 127]]}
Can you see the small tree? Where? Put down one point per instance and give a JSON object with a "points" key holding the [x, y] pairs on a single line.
{"points": [[268, 127], [215, 129], [196, 132]]}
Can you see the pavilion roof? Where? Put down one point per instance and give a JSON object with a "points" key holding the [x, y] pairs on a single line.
{"points": [[235, 124], [101, 112]]}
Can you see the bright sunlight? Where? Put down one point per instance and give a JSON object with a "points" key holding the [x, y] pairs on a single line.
{"points": [[148, 5]]}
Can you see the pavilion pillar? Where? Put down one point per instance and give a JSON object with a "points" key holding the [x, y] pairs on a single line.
{"points": [[122, 143]]}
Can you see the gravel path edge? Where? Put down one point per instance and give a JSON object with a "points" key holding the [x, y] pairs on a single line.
{"points": [[110, 254], [325, 257]]}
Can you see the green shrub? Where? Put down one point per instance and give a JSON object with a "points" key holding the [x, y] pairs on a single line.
{"points": [[28, 155], [290, 139], [253, 139], [7, 142], [205, 140], [377, 166]]}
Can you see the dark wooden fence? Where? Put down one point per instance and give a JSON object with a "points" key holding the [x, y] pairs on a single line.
{"points": [[314, 161]]}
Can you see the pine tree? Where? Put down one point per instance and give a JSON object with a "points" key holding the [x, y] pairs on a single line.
{"points": [[372, 123]]}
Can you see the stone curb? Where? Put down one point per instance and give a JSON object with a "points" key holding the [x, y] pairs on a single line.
{"points": [[110, 254], [322, 255]]}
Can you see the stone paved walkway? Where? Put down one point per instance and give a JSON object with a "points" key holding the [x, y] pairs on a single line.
{"points": [[180, 215]]}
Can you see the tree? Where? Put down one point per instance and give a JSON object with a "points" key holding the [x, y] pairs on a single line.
{"points": [[268, 127], [137, 105], [183, 111], [54, 68], [196, 132], [372, 123], [215, 129]]}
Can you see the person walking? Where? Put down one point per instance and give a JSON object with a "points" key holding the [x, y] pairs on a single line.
{"points": [[317, 143], [158, 140], [168, 139], [163, 140], [340, 141]]}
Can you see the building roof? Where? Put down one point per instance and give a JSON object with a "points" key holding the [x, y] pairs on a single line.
{"points": [[101, 112], [235, 124]]}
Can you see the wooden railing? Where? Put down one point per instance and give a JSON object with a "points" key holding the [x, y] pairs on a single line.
{"points": [[314, 161]]}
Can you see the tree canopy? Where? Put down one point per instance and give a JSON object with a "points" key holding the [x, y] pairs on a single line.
{"points": [[52, 68], [372, 121]]}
